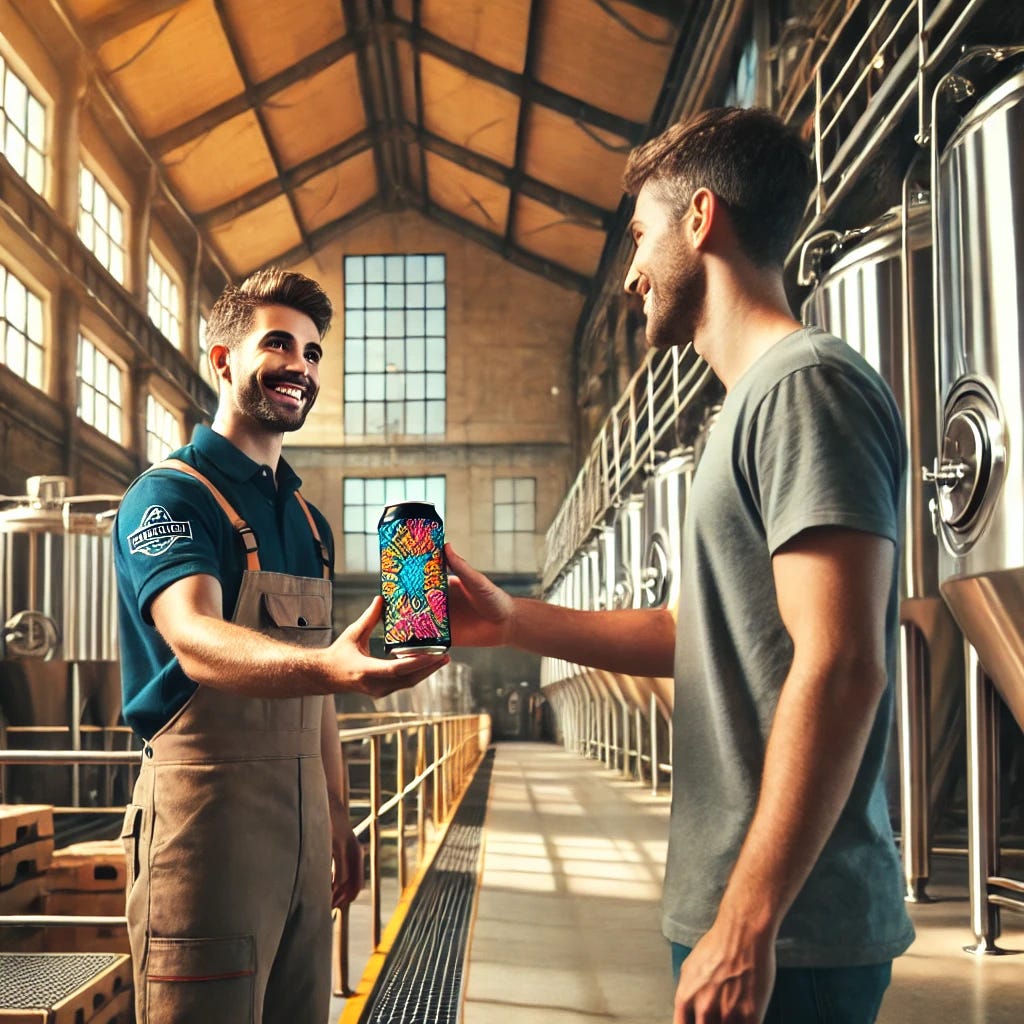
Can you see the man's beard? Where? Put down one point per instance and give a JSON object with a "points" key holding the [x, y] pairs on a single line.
{"points": [[677, 307], [254, 403]]}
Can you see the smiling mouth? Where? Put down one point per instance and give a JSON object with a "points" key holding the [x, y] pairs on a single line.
{"points": [[292, 393]]}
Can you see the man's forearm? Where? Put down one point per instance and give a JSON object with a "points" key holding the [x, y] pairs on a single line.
{"points": [[639, 642], [230, 657], [814, 751]]}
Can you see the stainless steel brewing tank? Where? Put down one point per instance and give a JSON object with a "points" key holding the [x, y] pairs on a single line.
{"points": [[665, 495], [980, 474], [58, 597], [881, 307], [860, 298], [628, 552]]}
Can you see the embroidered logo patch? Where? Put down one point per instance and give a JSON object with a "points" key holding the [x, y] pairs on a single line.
{"points": [[157, 532]]}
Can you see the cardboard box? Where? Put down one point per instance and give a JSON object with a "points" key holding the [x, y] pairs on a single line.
{"points": [[24, 823], [89, 867], [18, 862], [24, 897]]}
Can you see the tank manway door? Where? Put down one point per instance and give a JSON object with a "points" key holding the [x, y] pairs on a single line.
{"points": [[970, 469]]}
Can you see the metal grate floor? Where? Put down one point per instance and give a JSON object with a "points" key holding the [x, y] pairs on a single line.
{"points": [[30, 981], [421, 983]]}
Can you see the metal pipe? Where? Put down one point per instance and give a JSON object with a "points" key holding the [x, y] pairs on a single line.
{"points": [[913, 737], [982, 804]]}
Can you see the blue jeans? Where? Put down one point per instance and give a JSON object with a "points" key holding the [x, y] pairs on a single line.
{"points": [[819, 995]]}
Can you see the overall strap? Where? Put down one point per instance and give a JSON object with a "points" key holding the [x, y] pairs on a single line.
{"points": [[242, 528], [324, 556]]}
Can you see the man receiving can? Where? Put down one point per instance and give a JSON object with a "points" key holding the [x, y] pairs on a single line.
{"points": [[783, 889], [224, 578]]}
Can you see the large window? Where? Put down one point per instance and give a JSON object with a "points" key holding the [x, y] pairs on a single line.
{"points": [[515, 518], [21, 329], [22, 128], [163, 430], [100, 223], [164, 306], [364, 501], [99, 390], [394, 345]]}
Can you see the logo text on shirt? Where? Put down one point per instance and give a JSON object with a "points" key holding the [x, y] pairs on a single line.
{"points": [[157, 532]]}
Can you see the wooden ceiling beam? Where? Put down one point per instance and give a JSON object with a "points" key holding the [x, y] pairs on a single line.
{"points": [[534, 92], [109, 26], [667, 9], [532, 31], [564, 202], [268, 138], [555, 272], [255, 95], [290, 180], [327, 233]]}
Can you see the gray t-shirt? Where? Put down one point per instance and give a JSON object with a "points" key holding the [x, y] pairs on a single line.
{"points": [[809, 436]]}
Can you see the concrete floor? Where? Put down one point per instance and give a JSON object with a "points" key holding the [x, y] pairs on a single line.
{"points": [[567, 925]]}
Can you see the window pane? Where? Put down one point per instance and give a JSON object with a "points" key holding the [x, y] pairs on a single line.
{"points": [[374, 268], [435, 417], [355, 388], [355, 323], [374, 387], [394, 268], [503, 518], [415, 268], [416, 418], [355, 356], [503, 491], [375, 492], [354, 269]]}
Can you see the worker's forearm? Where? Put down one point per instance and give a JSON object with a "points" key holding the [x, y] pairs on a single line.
{"points": [[230, 657], [635, 641], [815, 749]]}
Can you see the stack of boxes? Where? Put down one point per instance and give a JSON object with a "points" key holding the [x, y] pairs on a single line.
{"points": [[87, 879], [26, 850]]}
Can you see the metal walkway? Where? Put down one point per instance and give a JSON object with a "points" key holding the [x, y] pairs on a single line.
{"points": [[566, 928]]}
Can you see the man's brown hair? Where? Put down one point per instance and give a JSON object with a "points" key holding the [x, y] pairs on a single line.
{"points": [[756, 165], [232, 316]]}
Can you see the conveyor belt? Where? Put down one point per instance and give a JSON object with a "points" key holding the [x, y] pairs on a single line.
{"points": [[421, 982]]}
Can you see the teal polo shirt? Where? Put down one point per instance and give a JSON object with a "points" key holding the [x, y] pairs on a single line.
{"points": [[168, 527]]}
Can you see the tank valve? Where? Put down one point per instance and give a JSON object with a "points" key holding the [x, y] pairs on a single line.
{"points": [[947, 473], [30, 635]]}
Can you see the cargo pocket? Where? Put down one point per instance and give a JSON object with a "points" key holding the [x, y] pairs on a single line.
{"points": [[191, 980], [130, 831]]}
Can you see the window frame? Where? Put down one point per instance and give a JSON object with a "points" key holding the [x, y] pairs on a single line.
{"points": [[377, 493], [395, 374]]}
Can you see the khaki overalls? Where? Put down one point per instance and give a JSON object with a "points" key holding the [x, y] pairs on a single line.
{"points": [[228, 836]]}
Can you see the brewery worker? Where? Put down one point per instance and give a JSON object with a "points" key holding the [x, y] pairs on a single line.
{"points": [[783, 895], [229, 671]]}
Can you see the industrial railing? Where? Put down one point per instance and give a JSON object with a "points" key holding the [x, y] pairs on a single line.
{"points": [[434, 760], [649, 418]]}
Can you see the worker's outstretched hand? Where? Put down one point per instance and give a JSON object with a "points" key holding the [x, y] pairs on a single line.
{"points": [[356, 671], [481, 613]]}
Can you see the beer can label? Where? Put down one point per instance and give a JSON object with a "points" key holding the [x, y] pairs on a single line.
{"points": [[414, 583]]}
